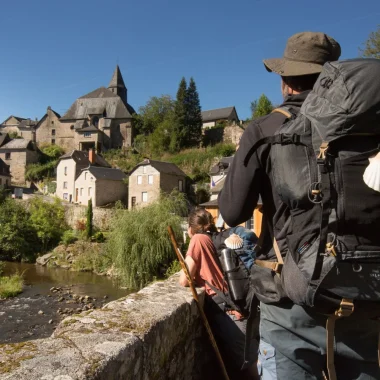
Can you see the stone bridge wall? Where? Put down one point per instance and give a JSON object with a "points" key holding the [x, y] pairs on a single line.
{"points": [[150, 335]]}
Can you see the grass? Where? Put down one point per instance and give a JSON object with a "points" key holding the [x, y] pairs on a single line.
{"points": [[10, 286]]}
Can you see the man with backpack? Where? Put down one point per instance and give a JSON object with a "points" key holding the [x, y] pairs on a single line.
{"points": [[318, 270]]}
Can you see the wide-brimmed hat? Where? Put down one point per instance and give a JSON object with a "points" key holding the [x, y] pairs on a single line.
{"points": [[305, 53]]}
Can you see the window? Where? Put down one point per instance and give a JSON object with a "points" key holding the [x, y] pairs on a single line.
{"points": [[85, 175], [7, 156], [65, 170], [133, 202], [144, 169], [144, 196], [65, 196], [95, 121], [1, 181], [150, 179], [180, 185], [53, 141], [89, 191], [65, 185], [52, 122], [81, 191], [53, 132], [87, 134], [249, 224], [139, 179], [6, 182]]}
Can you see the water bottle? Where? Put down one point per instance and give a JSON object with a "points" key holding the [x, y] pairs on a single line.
{"points": [[234, 278]]}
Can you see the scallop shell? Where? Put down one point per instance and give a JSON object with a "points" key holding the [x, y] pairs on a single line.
{"points": [[234, 242], [371, 176]]}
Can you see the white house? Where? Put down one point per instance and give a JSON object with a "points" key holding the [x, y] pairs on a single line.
{"points": [[69, 168], [102, 185]]}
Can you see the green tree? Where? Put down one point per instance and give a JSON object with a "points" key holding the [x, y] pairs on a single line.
{"points": [[261, 107], [181, 115], [89, 220], [194, 115], [18, 238], [139, 244], [372, 45], [48, 220], [156, 111]]}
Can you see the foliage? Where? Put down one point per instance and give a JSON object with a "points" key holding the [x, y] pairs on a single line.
{"points": [[48, 220], [11, 286], [202, 195], [98, 237], [139, 244], [18, 238], [52, 151], [69, 237], [173, 268], [13, 135], [80, 225], [89, 218], [372, 45], [180, 112], [39, 171], [2, 265], [153, 114], [261, 107], [51, 187], [4, 194], [90, 257]]}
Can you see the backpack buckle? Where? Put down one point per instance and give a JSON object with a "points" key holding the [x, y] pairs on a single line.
{"points": [[290, 138], [322, 150], [346, 308]]}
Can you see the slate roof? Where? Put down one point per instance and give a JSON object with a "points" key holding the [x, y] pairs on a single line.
{"points": [[90, 128], [106, 173], [161, 166], [222, 166], [17, 144], [27, 124], [217, 114], [117, 79], [81, 158], [96, 102], [4, 169], [16, 117], [4, 138]]}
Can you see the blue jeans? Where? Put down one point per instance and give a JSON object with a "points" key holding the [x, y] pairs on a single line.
{"points": [[293, 345]]}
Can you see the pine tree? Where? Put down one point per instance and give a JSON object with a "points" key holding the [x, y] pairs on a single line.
{"points": [[194, 115], [180, 112], [89, 219]]}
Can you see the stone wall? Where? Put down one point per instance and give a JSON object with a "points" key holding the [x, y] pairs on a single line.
{"points": [[101, 216], [150, 335], [230, 134]]}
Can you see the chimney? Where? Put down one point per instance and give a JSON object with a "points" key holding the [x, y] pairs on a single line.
{"points": [[91, 156]]}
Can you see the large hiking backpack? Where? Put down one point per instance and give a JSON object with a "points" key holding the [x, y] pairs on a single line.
{"points": [[332, 260], [237, 277]]}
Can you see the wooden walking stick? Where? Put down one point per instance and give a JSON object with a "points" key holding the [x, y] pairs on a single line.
{"points": [[200, 308]]}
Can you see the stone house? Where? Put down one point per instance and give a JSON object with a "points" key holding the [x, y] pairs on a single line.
{"points": [[22, 127], [5, 174], [101, 119], [18, 153], [149, 178], [211, 118], [102, 185], [49, 131], [69, 168]]}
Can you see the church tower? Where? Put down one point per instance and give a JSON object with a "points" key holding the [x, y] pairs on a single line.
{"points": [[117, 85]]}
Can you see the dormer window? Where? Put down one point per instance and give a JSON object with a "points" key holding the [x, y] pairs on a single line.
{"points": [[104, 113], [95, 121]]}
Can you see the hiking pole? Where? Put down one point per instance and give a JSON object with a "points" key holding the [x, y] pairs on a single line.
{"points": [[200, 308]]}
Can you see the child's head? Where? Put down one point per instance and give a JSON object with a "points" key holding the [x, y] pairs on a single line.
{"points": [[201, 221]]}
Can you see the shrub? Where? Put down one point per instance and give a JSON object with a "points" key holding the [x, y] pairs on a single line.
{"points": [[80, 225], [11, 286], [98, 237], [139, 243], [69, 237], [89, 220], [174, 267], [18, 238], [48, 220]]}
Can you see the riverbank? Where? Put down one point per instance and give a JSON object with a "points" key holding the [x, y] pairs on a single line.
{"points": [[50, 295]]}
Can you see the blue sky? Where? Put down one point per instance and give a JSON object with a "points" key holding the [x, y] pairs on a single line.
{"points": [[52, 52]]}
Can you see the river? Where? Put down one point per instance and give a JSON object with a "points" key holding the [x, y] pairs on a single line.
{"points": [[49, 295]]}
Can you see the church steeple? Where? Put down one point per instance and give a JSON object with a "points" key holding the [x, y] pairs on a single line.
{"points": [[117, 85]]}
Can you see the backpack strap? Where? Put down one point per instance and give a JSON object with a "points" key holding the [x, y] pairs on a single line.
{"points": [[226, 298], [285, 111], [275, 266]]}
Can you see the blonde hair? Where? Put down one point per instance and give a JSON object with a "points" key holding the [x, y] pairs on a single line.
{"points": [[201, 221]]}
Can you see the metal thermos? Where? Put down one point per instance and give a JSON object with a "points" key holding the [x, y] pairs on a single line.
{"points": [[234, 278]]}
